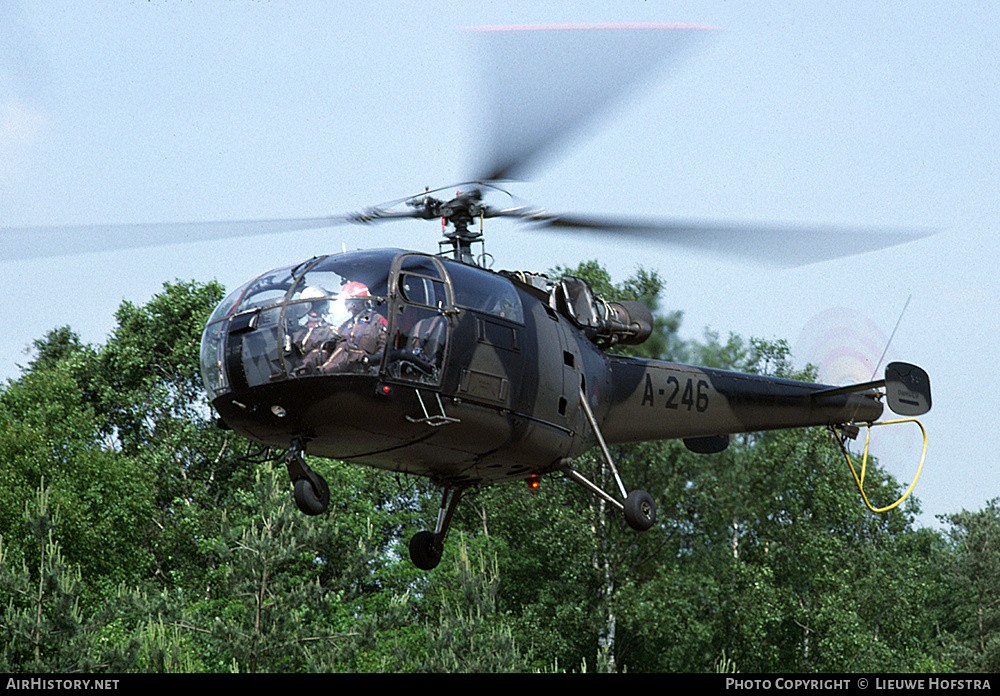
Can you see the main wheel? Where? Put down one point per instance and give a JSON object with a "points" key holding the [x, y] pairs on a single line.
{"points": [[640, 511], [423, 551], [309, 499]]}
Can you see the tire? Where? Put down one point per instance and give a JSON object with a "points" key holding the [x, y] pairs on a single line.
{"points": [[308, 500], [423, 552], [640, 511]]}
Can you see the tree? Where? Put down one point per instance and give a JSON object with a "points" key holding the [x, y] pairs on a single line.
{"points": [[47, 623], [150, 403], [464, 628], [50, 430], [545, 545], [163, 543], [972, 577], [281, 589]]}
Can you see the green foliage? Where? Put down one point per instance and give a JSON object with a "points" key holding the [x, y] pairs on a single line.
{"points": [[50, 430], [278, 585], [134, 536], [971, 576], [545, 543], [465, 631], [47, 625]]}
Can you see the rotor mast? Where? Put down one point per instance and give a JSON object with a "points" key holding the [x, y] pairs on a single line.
{"points": [[461, 212]]}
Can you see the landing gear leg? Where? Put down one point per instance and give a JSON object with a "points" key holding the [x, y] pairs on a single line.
{"points": [[426, 547], [639, 508], [312, 494]]}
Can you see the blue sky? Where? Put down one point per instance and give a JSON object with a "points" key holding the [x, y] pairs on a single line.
{"points": [[862, 114]]}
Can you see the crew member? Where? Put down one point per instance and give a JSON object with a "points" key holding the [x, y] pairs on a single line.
{"points": [[313, 341], [363, 334]]}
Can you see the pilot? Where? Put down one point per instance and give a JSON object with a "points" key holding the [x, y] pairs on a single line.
{"points": [[313, 341], [363, 334]]}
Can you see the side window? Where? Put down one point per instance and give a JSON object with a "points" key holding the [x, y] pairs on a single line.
{"points": [[420, 331], [421, 290], [419, 345], [485, 292]]}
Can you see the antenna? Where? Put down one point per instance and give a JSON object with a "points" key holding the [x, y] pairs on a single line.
{"points": [[891, 336], [886, 349]]}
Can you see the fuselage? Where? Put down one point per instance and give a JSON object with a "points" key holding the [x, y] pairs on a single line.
{"points": [[460, 374]]}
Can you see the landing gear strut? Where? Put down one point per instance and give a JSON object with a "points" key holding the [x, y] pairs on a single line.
{"points": [[312, 494], [639, 508], [426, 547]]}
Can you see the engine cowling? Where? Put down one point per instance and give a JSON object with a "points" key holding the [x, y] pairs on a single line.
{"points": [[628, 322], [623, 322]]}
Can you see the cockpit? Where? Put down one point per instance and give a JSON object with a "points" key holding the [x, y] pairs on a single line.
{"points": [[380, 312]]}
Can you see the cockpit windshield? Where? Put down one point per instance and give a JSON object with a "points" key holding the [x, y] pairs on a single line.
{"points": [[331, 315], [325, 315]]}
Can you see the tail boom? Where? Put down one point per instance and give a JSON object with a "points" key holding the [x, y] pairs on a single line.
{"points": [[653, 400]]}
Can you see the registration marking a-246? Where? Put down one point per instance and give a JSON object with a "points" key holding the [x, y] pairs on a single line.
{"points": [[689, 393]]}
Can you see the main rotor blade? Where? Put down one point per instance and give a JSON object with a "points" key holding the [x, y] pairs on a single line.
{"points": [[543, 83], [779, 245], [47, 241]]}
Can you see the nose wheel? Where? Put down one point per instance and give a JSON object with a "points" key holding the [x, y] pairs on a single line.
{"points": [[425, 552], [426, 547], [310, 490]]}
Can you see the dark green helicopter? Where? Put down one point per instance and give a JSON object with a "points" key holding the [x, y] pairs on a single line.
{"points": [[433, 365]]}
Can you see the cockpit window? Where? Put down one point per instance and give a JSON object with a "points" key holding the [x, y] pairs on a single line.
{"points": [[369, 268], [263, 291], [335, 320], [421, 290], [323, 316], [486, 292], [335, 333]]}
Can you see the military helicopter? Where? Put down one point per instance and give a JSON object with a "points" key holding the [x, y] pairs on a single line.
{"points": [[432, 364]]}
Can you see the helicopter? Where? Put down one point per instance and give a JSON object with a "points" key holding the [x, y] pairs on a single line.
{"points": [[434, 365]]}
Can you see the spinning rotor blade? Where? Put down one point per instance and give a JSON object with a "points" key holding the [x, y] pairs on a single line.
{"points": [[543, 83], [39, 242], [780, 245], [546, 82], [47, 241]]}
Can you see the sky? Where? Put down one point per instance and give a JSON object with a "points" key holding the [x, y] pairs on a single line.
{"points": [[856, 114]]}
